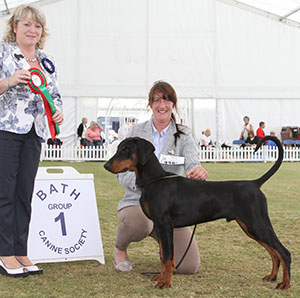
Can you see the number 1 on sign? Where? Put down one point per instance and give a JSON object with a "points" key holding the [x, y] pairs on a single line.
{"points": [[61, 217]]}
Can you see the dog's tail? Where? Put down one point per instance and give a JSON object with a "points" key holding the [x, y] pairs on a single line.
{"points": [[260, 181]]}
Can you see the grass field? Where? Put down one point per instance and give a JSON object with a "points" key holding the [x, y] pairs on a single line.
{"points": [[232, 265]]}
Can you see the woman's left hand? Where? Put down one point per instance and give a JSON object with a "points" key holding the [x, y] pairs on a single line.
{"points": [[198, 173], [58, 117]]}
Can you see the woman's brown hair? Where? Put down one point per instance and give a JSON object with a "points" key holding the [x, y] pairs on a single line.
{"points": [[168, 92]]}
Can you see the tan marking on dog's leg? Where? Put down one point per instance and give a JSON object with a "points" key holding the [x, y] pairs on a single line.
{"points": [[146, 209], [160, 276], [167, 281], [285, 284], [275, 256]]}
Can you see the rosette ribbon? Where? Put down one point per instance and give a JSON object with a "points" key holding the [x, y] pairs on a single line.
{"points": [[47, 99]]}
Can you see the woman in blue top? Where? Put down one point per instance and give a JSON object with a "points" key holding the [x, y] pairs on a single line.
{"points": [[22, 127]]}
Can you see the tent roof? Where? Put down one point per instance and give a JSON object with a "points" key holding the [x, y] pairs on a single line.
{"points": [[7, 5], [286, 11], [282, 8]]}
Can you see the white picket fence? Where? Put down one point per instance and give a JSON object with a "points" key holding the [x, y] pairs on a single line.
{"points": [[75, 153], [246, 154], [234, 154]]}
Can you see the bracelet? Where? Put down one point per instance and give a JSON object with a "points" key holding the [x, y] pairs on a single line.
{"points": [[8, 84]]}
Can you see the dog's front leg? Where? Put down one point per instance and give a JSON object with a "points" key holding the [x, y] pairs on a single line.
{"points": [[164, 279], [161, 275]]}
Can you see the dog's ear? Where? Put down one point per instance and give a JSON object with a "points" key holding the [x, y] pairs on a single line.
{"points": [[145, 150]]}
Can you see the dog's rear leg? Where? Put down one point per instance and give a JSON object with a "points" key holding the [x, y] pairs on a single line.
{"points": [[165, 235], [275, 261], [276, 256]]}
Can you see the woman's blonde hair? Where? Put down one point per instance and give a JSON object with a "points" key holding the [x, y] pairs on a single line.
{"points": [[23, 12]]}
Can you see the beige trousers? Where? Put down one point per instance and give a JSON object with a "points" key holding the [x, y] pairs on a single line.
{"points": [[134, 226]]}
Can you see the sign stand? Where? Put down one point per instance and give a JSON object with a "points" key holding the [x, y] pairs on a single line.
{"points": [[64, 222]]}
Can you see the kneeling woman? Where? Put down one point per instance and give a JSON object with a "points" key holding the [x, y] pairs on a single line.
{"points": [[168, 138]]}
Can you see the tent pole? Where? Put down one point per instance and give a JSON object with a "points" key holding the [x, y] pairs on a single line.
{"points": [[215, 83]]}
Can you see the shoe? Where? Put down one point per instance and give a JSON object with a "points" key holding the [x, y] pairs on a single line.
{"points": [[32, 269], [124, 266], [17, 272]]}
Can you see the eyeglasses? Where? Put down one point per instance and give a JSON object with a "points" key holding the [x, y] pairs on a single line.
{"points": [[160, 99]]}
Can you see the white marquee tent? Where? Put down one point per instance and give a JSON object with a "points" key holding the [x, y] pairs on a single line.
{"points": [[225, 59]]}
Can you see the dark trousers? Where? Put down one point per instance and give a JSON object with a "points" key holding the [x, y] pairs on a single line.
{"points": [[19, 161]]}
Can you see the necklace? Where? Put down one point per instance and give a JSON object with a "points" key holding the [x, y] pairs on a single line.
{"points": [[30, 59]]}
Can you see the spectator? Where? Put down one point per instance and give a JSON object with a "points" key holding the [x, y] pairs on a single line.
{"points": [[81, 131], [270, 143], [259, 132], [206, 141], [252, 140], [93, 135], [125, 128], [247, 127]]}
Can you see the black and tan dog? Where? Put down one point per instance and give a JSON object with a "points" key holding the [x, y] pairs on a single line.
{"points": [[173, 202]]}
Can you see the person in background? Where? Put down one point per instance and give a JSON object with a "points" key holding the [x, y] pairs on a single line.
{"points": [[170, 140], [206, 141], [259, 132], [81, 131], [252, 140], [93, 134], [270, 143], [125, 128], [22, 127], [247, 127]]}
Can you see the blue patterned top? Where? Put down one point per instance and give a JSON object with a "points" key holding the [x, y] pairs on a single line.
{"points": [[19, 106]]}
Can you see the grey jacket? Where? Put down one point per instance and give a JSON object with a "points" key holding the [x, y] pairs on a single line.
{"points": [[185, 147]]}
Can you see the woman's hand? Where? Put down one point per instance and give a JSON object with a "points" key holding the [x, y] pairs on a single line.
{"points": [[21, 76], [58, 117], [198, 173]]}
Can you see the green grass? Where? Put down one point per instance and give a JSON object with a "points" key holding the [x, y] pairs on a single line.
{"points": [[232, 265]]}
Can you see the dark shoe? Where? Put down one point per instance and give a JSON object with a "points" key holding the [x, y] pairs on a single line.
{"points": [[17, 272]]}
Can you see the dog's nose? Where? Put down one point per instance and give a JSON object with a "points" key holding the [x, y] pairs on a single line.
{"points": [[107, 166]]}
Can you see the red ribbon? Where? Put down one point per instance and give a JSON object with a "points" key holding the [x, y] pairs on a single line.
{"points": [[47, 99]]}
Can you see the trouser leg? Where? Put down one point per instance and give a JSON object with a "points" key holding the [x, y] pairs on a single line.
{"points": [[29, 162], [191, 261], [10, 147], [133, 226]]}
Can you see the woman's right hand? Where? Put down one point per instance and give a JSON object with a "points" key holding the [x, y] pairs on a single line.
{"points": [[21, 76]]}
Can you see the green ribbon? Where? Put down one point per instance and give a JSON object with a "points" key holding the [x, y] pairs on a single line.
{"points": [[42, 89]]}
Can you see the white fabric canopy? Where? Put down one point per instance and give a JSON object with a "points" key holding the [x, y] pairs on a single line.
{"points": [[237, 61]]}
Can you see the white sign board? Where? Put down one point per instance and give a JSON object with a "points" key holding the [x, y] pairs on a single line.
{"points": [[64, 223]]}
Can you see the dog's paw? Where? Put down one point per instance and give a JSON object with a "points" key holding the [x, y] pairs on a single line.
{"points": [[163, 284], [283, 285], [270, 277], [157, 277]]}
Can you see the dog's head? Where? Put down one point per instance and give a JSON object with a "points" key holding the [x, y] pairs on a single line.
{"points": [[130, 153]]}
